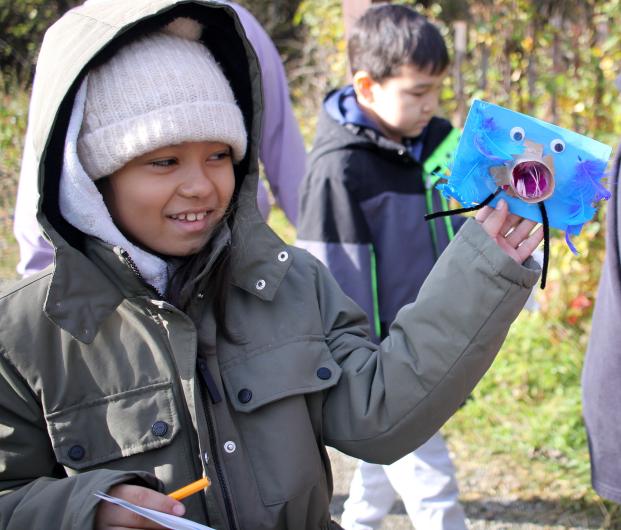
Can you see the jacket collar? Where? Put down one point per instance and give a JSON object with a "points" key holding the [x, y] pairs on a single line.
{"points": [[260, 259], [86, 289], [80, 296]]}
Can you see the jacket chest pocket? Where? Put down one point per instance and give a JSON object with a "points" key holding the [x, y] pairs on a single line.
{"points": [[114, 427], [277, 395]]}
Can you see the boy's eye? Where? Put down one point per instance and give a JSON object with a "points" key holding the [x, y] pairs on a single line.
{"points": [[164, 162], [220, 155]]}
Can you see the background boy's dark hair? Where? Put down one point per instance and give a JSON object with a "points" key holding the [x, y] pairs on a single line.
{"points": [[389, 36]]}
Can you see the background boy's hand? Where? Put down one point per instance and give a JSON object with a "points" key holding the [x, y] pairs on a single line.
{"points": [[512, 233], [110, 516]]}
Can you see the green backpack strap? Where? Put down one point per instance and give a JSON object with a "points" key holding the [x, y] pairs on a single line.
{"points": [[434, 168]]}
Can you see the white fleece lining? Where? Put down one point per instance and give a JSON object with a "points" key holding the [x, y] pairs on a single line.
{"points": [[83, 206]]}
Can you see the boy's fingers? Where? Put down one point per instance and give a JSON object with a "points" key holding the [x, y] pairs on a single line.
{"points": [[530, 244], [145, 497], [520, 233], [155, 500], [496, 219], [483, 213], [511, 232], [511, 222]]}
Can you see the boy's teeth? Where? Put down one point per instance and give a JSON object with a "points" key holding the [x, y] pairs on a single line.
{"points": [[190, 216]]}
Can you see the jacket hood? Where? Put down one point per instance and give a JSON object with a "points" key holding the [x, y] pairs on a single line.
{"points": [[85, 37], [342, 106]]}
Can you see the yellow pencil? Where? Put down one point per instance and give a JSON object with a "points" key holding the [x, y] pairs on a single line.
{"points": [[190, 489]]}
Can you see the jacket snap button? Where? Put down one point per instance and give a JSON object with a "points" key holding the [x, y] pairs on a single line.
{"points": [[244, 395], [324, 373], [260, 285], [283, 256], [76, 452], [230, 447], [159, 428]]}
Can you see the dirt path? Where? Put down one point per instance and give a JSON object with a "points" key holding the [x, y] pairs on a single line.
{"points": [[490, 500]]}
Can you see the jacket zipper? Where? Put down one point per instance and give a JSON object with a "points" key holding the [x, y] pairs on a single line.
{"points": [[212, 443], [134, 268], [131, 264], [216, 461], [158, 321]]}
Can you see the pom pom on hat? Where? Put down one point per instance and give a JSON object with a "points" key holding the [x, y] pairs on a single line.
{"points": [[163, 89], [186, 28]]}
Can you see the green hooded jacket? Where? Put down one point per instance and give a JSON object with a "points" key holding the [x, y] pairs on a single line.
{"points": [[100, 379]]}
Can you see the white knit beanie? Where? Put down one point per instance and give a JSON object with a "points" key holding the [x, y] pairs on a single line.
{"points": [[163, 89]]}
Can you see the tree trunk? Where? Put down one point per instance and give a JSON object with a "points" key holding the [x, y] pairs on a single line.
{"points": [[557, 67], [460, 29]]}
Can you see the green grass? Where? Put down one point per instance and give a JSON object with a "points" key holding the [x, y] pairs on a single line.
{"points": [[9, 253], [13, 112], [279, 223], [529, 403], [525, 420]]}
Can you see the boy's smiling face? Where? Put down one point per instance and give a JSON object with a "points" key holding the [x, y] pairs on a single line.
{"points": [[402, 105], [168, 201]]}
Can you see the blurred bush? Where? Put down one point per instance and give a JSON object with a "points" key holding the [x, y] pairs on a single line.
{"points": [[22, 25]]}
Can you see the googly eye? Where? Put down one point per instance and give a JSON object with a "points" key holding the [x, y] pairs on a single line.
{"points": [[557, 145], [517, 134]]}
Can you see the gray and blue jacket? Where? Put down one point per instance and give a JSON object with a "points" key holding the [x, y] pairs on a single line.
{"points": [[362, 206]]}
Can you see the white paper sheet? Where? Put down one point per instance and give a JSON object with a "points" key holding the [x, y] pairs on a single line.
{"points": [[169, 521]]}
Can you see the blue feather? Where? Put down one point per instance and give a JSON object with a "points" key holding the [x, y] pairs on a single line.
{"points": [[586, 181]]}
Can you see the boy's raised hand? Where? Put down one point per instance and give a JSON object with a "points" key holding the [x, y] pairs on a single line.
{"points": [[109, 516], [512, 233]]}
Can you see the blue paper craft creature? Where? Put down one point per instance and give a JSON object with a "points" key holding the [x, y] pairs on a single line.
{"points": [[538, 168]]}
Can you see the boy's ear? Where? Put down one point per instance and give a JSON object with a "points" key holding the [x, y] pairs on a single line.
{"points": [[363, 84]]}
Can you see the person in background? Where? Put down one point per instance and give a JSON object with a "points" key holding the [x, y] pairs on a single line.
{"points": [[362, 206], [282, 153], [601, 391]]}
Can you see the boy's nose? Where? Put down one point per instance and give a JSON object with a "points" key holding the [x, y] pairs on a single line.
{"points": [[431, 104], [196, 184]]}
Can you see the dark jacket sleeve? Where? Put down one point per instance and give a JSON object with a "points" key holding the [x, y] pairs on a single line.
{"points": [[34, 491], [392, 398], [332, 227]]}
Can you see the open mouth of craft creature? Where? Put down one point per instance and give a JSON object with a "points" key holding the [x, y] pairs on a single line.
{"points": [[532, 181]]}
